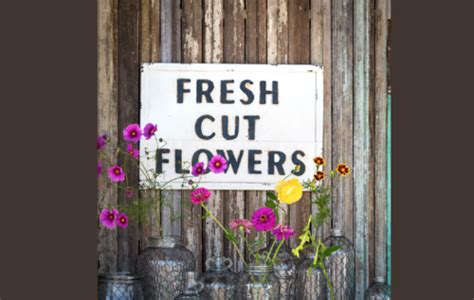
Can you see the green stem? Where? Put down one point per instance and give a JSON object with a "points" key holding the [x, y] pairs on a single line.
{"points": [[269, 252], [323, 268], [316, 254], [278, 249]]}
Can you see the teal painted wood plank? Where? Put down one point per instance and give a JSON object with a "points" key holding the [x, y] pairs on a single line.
{"points": [[389, 189]]}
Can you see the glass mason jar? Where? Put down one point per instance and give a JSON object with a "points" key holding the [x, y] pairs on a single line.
{"points": [[219, 281], [341, 266], [194, 288], [119, 286], [162, 265], [284, 270], [258, 282], [310, 282], [378, 291]]}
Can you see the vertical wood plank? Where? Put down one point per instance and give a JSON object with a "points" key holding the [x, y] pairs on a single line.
{"points": [[234, 208], [342, 111], [192, 45], [283, 48], [234, 31], [255, 34], [107, 123], [361, 140], [128, 97], [213, 30], [380, 137]]}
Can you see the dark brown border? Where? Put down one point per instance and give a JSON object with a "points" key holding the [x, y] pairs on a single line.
{"points": [[48, 115], [432, 206]]}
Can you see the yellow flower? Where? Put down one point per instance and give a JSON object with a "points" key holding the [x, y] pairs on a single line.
{"points": [[289, 191], [343, 169]]}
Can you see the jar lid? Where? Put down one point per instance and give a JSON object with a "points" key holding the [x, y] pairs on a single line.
{"points": [[258, 269], [379, 279], [165, 241], [336, 232], [119, 276]]}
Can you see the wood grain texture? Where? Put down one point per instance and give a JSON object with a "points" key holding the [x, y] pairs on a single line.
{"points": [[107, 116], [342, 111], [380, 137]]}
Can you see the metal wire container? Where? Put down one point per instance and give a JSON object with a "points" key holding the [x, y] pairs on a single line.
{"points": [[284, 270], [194, 288], [162, 265], [119, 286], [378, 291], [310, 282], [219, 281], [258, 282], [341, 267]]}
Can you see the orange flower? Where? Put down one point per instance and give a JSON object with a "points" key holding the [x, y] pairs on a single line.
{"points": [[343, 169], [318, 160], [319, 175]]}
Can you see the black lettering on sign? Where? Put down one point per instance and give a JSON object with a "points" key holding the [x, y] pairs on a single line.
{"points": [[272, 163], [201, 92], [160, 160], [198, 127], [198, 153], [181, 90], [178, 163], [231, 160], [252, 121], [264, 92], [225, 91], [247, 91], [225, 128], [297, 161], [253, 162]]}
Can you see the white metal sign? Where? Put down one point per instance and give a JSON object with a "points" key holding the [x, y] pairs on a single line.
{"points": [[264, 119]]}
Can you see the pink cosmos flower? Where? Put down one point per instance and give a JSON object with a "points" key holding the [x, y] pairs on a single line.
{"points": [[101, 139], [198, 169], [263, 219], [99, 168], [132, 151], [149, 130], [218, 164], [122, 220], [200, 195], [241, 224], [116, 174], [132, 133], [129, 192], [107, 217], [283, 232]]}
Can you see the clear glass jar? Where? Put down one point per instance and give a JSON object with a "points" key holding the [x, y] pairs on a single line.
{"points": [[119, 286], [258, 282], [341, 266], [194, 288], [219, 281], [379, 290], [162, 265], [310, 282]]}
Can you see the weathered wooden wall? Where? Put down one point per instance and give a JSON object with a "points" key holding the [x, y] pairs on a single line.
{"points": [[347, 37]]}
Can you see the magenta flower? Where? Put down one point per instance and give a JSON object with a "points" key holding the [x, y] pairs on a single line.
{"points": [[198, 169], [149, 130], [101, 139], [107, 217], [132, 133], [132, 151], [122, 220], [263, 219], [283, 232], [200, 195], [241, 224], [218, 164], [129, 192], [99, 168], [116, 174]]}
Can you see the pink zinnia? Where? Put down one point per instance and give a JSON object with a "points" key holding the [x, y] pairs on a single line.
{"points": [[132, 151], [218, 164], [107, 217], [200, 195], [116, 174], [283, 232], [149, 130], [198, 169], [241, 224], [101, 141], [99, 168], [122, 220], [263, 219], [132, 133]]}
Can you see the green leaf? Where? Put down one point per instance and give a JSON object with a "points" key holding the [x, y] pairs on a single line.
{"points": [[270, 204], [330, 250], [272, 196], [230, 236]]}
